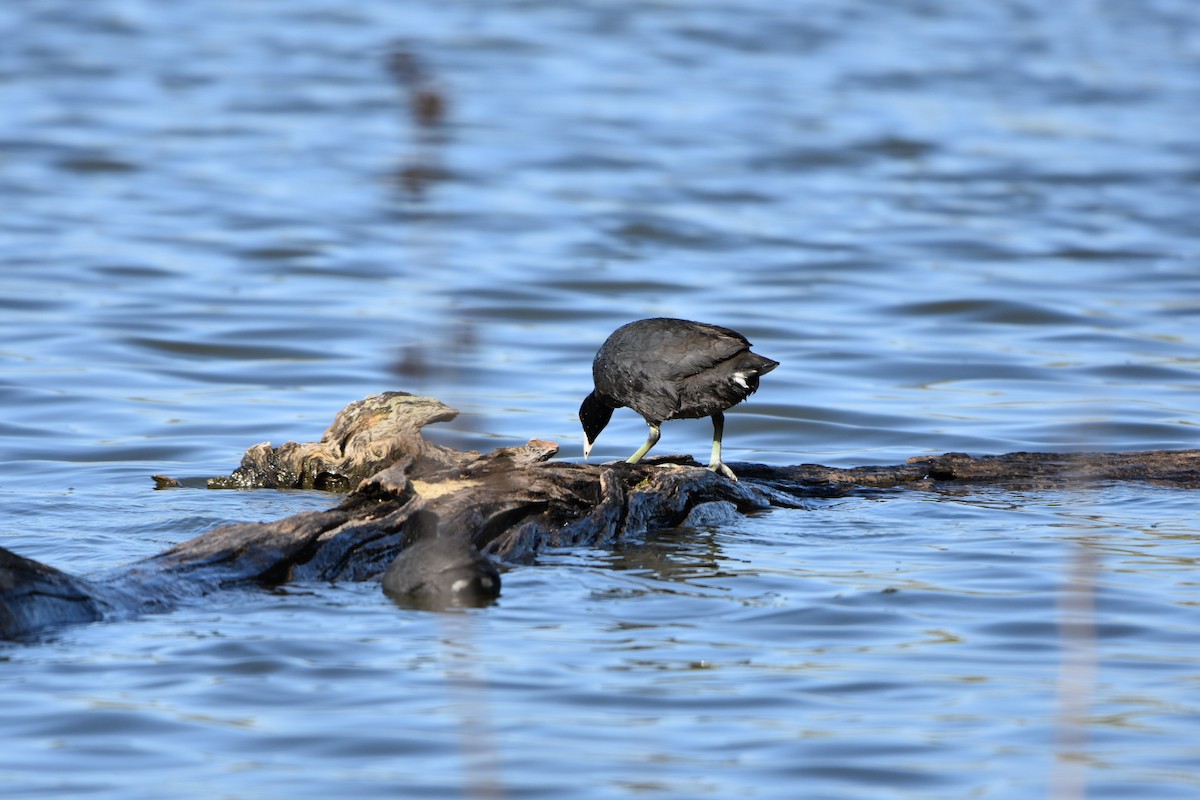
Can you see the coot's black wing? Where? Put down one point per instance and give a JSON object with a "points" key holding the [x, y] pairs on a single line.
{"points": [[645, 365], [690, 348]]}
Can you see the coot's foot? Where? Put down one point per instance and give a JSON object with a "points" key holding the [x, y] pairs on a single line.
{"points": [[720, 468]]}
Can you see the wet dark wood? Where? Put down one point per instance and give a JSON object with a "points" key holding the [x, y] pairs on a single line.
{"points": [[1177, 468], [509, 503]]}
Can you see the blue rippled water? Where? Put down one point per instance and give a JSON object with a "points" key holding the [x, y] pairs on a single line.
{"points": [[958, 228]]}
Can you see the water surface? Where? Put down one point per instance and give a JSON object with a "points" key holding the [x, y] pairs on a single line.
{"points": [[957, 228]]}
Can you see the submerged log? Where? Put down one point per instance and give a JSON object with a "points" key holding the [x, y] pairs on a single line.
{"points": [[1175, 468], [508, 503]]}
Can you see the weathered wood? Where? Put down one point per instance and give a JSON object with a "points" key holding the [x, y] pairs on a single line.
{"points": [[35, 596], [1177, 468], [508, 503], [365, 437]]}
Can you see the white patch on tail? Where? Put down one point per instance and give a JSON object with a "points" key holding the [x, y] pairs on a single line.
{"points": [[740, 379]]}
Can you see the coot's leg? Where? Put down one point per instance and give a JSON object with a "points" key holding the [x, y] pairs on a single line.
{"points": [[651, 440], [715, 463]]}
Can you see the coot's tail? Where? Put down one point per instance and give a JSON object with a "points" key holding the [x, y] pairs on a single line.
{"points": [[743, 372], [763, 364]]}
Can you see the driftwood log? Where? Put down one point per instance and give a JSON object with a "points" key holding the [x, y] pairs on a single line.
{"points": [[509, 503]]}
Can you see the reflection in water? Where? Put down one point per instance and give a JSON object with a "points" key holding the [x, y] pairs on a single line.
{"points": [[442, 356], [675, 556], [428, 108], [427, 99], [466, 680], [1077, 674]]}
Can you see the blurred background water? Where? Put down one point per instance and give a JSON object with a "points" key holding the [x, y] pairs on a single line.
{"points": [[958, 226]]}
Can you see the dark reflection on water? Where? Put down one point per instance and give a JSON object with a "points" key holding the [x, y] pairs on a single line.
{"points": [[957, 227]]}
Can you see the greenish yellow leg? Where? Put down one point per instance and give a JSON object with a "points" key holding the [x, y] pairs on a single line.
{"points": [[715, 463], [651, 440]]}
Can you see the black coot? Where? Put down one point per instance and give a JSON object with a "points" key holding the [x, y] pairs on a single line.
{"points": [[436, 569], [671, 369]]}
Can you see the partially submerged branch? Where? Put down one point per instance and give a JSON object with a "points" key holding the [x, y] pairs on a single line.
{"points": [[1176, 468], [365, 437], [508, 503]]}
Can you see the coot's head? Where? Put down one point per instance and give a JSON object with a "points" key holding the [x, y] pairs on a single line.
{"points": [[594, 415], [439, 569]]}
